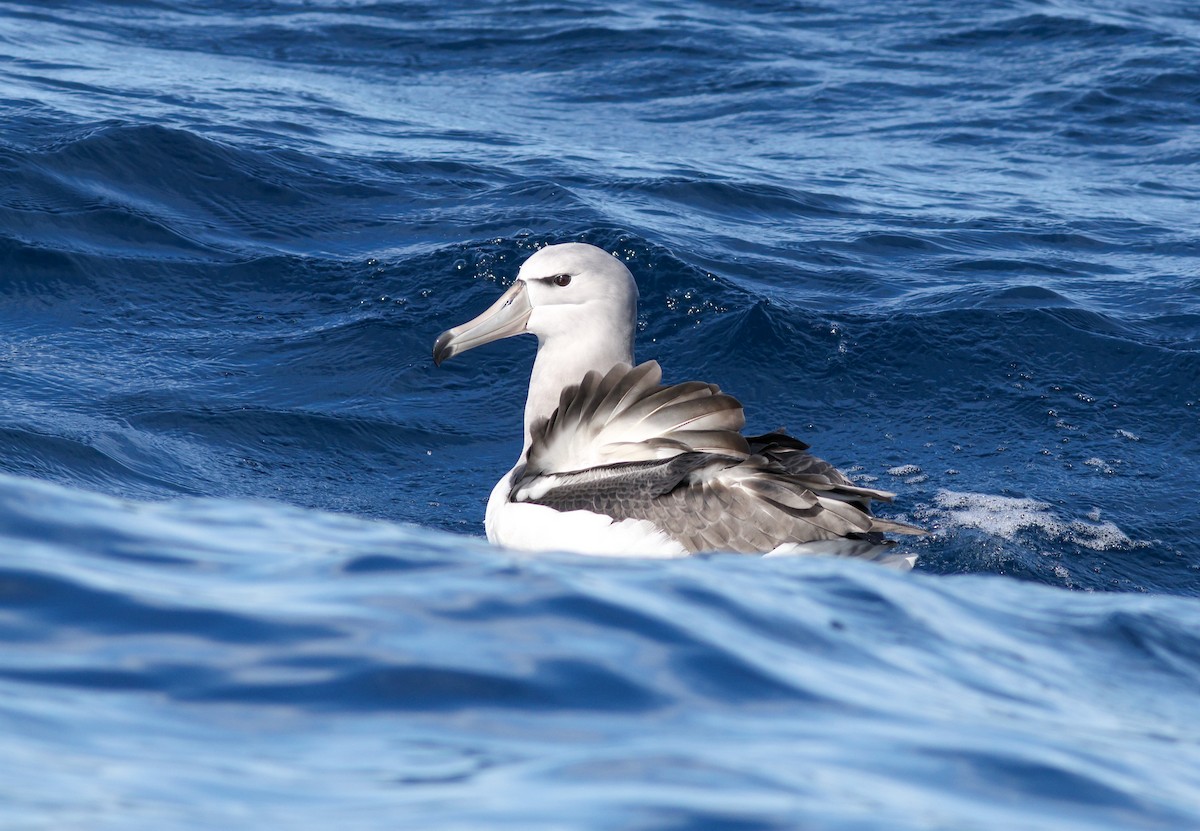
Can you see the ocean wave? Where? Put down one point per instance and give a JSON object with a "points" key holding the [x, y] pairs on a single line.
{"points": [[953, 248], [224, 607]]}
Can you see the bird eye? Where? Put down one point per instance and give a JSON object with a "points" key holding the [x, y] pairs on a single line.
{"points": [[561, 279]]}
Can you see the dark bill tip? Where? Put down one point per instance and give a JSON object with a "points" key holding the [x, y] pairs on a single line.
{"points": [[443, 349]]}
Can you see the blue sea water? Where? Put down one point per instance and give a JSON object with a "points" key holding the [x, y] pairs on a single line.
{"points": [[955, 246]]}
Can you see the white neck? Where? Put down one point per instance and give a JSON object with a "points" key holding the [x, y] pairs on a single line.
{"points": [[564, 359]]}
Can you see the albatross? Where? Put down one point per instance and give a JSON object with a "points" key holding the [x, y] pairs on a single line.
{"points": [[617, 463]]}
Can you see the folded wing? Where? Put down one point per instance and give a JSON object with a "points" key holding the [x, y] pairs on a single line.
{"points": [[623, 445]]}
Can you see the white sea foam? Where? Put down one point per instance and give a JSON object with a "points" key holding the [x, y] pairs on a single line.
{"points": [[1005, 516]]}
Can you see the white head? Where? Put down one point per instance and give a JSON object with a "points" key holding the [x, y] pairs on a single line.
{"points": [[570, 296]]}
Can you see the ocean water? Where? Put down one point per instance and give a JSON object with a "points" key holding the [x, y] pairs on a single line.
{"points": [[954, 246]]}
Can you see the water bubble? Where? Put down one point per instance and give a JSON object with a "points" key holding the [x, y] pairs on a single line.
{"points": [[1005, 517]]}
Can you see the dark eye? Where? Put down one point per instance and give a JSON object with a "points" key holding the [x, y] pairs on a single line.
{"points": [[561, 279]]}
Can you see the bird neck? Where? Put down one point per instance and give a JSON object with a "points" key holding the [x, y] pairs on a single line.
{"points": [[563, 360]]}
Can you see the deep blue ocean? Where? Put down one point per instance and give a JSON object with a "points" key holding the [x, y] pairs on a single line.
{"points": [[243, 583]]}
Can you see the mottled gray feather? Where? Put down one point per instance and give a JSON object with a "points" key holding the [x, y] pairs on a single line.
{"points": [[626, 415], [710, 488]]}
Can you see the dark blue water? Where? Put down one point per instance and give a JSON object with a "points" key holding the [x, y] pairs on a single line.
{"points": [[955, 246]]}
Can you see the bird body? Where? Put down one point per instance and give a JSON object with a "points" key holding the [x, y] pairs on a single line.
{"points": [[614, 462]]}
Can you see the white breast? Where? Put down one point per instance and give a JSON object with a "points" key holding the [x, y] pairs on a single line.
{"points": [[530, 527]]}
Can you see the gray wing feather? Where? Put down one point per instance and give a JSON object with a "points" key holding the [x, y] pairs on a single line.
{"points": [[709, 502], [623, 445], [792, 456], [626, 415]]}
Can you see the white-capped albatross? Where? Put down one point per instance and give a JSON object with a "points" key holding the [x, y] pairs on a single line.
{"points": [[616, 463]]}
